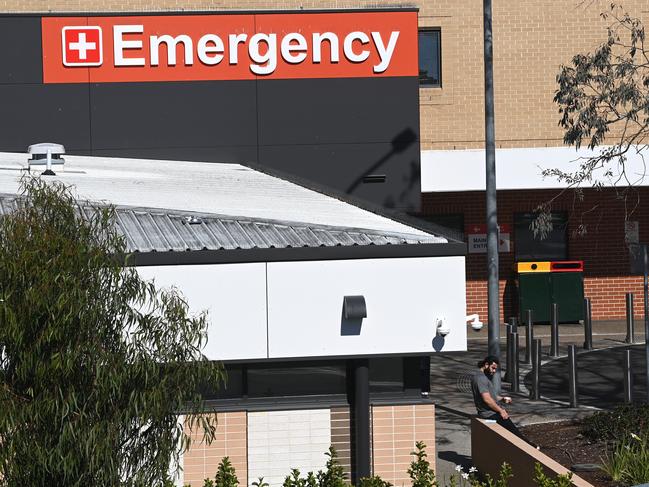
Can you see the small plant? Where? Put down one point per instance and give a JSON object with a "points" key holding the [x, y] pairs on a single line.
{"points": [[226, 475], [334, 474], [260, 483], [629, 461], [502, 480], [420, 472], [296, 480], [373, 481], [543, 480]]}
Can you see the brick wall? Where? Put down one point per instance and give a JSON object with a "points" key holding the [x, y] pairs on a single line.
{"points": [[341, 437], [531, 40], [602, 247], [202, 460], [395, 429]]}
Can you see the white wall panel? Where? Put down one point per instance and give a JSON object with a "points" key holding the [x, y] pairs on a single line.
{"points": [[281, 440], [404, 297], [234, 295]]}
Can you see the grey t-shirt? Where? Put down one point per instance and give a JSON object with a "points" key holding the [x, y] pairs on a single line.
{"points": [[480, 383]]}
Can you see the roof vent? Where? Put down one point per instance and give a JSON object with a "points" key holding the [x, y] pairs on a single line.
{"points": [[44, 156]]}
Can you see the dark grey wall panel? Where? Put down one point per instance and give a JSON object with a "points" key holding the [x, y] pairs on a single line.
{"points": [[342, 167], [173, 115], [238, 154], [322, 111], [20, 54], [39, 113]]}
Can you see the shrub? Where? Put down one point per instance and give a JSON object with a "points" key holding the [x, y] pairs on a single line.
{"points": [[618, 424], [420, 472], [333, 475], [543, 480], [226, 476], [374, 481]]}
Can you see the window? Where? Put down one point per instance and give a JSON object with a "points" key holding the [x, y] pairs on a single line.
{"points": [[430, 57], [530, 247]]}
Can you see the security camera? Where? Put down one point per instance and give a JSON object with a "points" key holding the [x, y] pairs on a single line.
{"points": [[442, 326], [476, 324]]}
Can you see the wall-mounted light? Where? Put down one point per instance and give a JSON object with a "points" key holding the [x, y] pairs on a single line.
{"points": [[354, 307]]}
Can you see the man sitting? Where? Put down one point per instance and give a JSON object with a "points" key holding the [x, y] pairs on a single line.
{"points": [[486, 397]]}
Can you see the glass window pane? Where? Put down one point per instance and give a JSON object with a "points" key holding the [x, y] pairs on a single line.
{"points": [[386, 374], [529, 247], [430, 65], [296, 381]]}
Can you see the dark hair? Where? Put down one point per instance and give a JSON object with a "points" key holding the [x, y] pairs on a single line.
{"points": [[488, 360]]}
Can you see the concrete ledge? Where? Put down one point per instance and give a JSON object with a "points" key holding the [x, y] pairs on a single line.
{"points": [[492, 445]]}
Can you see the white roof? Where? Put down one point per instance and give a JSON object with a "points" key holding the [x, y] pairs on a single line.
{"points": [[464, 170], [216, 188]]}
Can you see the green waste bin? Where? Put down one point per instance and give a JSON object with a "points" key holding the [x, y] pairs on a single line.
{"points": [[542, 283]]}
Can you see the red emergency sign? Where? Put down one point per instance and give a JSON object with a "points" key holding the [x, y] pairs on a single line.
{"points": [[229, 47]]}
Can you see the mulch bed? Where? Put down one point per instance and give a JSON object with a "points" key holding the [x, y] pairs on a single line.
{"points": [[562, 442]]}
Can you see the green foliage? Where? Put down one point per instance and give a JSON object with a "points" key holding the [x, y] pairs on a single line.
{"points": [[225, 474], [373, 481], [602, 97], [420, 471], [260, 483], [628, 463], [333, 475], [94, 362], [295, 480], [618, 424], [502, 481], [543, 480]]}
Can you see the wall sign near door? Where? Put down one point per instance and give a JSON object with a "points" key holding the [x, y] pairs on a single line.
{"points": [[477, 238]]}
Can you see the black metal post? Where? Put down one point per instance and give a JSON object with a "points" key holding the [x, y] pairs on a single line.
{"points": [[513, 322], [529, 336], [630, 324], [510, 354], [628, 378], [554, 332], [514, 376], [572, 372], [362, 418], [588, 325], [493, 304], [646, 314], [535, 393]]}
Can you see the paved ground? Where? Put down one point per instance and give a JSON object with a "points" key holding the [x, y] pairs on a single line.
{"points": [[599, 376]]}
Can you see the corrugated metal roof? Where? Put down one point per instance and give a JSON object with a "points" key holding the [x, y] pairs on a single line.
{"points": [[155, 230]]}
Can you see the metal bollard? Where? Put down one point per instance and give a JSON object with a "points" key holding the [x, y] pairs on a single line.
{"points": [[508, 359], [535, 392], [572, 373], [514, 375], [628, 378], [513, 322], [529, 336], [554, 332], [588, 325], [630, 325]]}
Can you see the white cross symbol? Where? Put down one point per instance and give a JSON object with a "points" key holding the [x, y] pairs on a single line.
{"points": [[82, 46]]}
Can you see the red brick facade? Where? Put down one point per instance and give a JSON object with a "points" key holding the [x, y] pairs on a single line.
{"points": [[601, 246]]}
